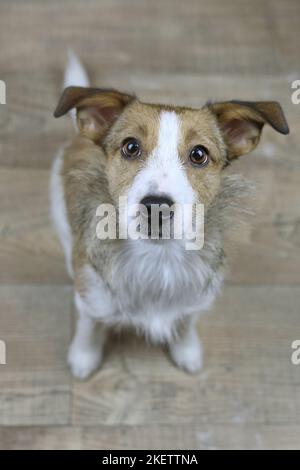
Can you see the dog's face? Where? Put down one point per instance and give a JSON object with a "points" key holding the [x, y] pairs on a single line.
{"points": [[172, 153], [163, 155]]}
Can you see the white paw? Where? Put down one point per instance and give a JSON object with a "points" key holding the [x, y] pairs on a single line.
{"points": [[187, 354], [84, 362]]}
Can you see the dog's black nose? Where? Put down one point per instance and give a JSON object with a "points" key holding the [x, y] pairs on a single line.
{"points": [[158, 201]]}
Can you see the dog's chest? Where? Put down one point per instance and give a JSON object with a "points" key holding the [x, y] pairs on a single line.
{"points": [[155, 286]]}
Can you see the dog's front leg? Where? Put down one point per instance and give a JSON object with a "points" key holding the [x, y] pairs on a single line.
{"points": [[186, 349], [85, 353]]}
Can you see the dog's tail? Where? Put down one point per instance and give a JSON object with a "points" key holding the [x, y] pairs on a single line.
{"points": [[75, 75]]}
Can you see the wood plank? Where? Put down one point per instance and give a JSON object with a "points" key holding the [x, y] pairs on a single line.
{"points": [[209, 38], [284, 19], [153, 437], [35, 383], [268, 251], [30, 251], [247, 377]]}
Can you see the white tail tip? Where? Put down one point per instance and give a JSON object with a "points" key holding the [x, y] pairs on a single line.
{"points": [[75, 73]]}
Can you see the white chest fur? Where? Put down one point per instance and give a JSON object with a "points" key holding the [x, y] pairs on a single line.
{"points": [[152, 287]]}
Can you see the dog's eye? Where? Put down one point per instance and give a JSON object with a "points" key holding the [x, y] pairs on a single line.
{"points": [[130, 148], [199, 155]]}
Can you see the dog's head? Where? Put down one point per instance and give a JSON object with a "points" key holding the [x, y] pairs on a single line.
{"points": [[161, 155]]}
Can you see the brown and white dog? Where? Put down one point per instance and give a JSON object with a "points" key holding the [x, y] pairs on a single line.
{"points": [[152, 155]]}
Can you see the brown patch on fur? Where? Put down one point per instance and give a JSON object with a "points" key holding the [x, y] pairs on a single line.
{"points": [[85, 187], [81, 281]]}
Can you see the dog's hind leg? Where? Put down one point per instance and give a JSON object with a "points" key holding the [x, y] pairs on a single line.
{"points": [[85, 353]]}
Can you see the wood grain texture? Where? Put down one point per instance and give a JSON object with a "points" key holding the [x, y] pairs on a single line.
{"points": [[35, 382], [209, 37], [248, 394], [29, 247], [155, 437]]}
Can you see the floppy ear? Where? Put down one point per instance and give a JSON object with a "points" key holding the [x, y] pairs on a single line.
{"points": [[96, 108], [241, 123]]}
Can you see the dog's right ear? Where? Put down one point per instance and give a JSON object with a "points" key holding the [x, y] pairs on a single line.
{"points": [[96, 108]]}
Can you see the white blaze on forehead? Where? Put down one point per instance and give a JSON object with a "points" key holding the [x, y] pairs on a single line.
{"points": [[168, 138]]}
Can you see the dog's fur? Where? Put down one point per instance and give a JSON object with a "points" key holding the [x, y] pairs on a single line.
{"points": [[158, 287]]}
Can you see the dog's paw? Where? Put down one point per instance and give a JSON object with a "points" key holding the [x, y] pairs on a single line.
{"points": [[83, 362], [187, 354]]}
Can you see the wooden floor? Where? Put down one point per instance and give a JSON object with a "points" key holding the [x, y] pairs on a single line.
{"points": [[248, 394]]}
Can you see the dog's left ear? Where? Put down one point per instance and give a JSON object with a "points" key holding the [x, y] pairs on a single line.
{"points": [[96, 108], [241, 123]]}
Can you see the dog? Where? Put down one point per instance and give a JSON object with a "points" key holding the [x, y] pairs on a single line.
{"points": [[155, 156]]}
